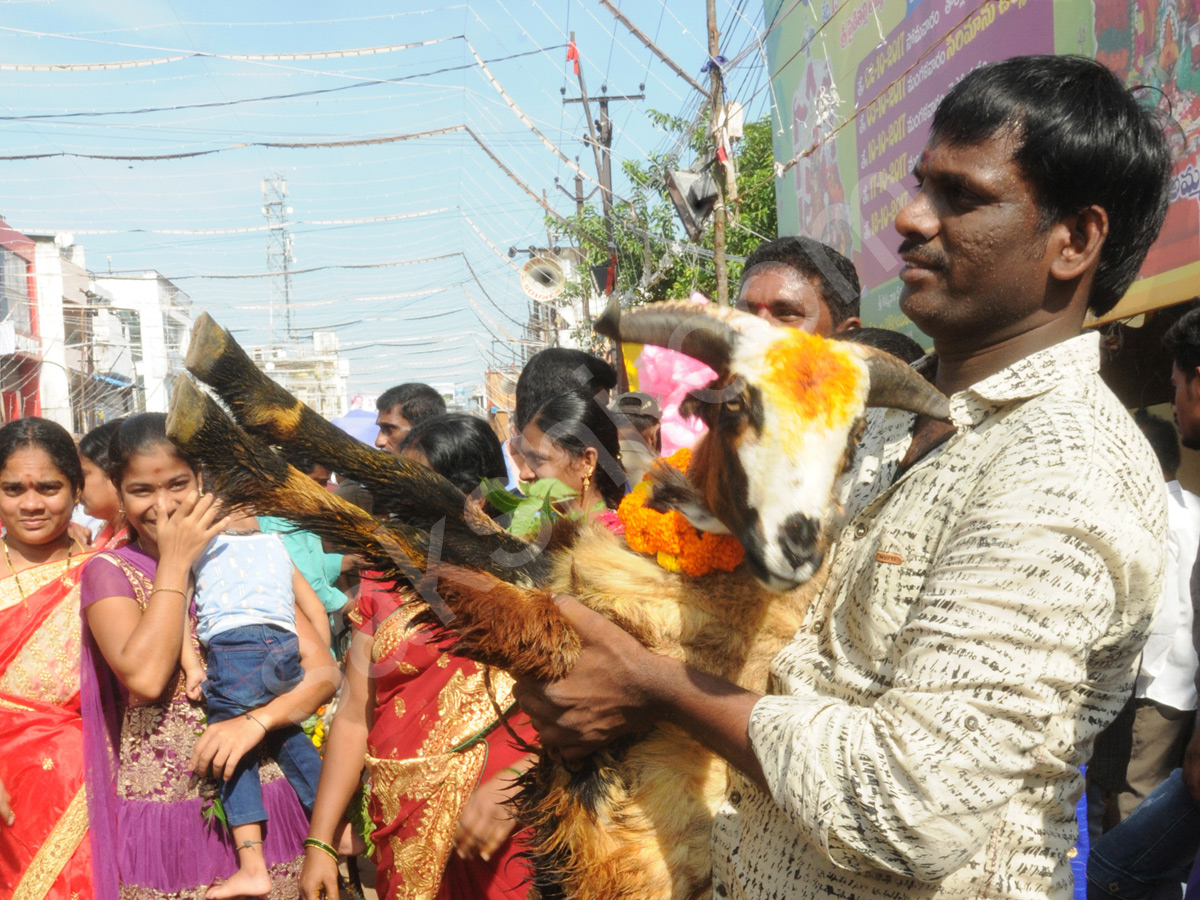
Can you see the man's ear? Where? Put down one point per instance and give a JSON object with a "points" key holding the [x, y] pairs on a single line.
{"points": [[1078, 240], [849, 324]]}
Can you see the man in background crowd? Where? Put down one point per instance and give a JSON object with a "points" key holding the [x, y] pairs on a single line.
{"points": [[801, 283], [400, 408], [1145, 744], [639, 425]]}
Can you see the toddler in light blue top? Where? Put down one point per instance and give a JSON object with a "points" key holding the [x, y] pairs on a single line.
{"points": [[244, 579], [247, 594]]}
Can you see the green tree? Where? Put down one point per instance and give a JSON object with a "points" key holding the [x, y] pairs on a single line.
{"points": [[654, 259]]}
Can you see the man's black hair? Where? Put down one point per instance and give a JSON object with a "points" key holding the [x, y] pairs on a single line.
{"points": [[836, 277], [416, 401], [1083, 138], [896, 343], [1163, 440], [554, 370], [1182, 342], [302, 461]]}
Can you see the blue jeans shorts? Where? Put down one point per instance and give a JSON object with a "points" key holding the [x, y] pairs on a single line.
{"points": [[249, 667]]}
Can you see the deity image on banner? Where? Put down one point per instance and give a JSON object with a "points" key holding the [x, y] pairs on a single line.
{"points": [[1157, 42], [817, 107]]}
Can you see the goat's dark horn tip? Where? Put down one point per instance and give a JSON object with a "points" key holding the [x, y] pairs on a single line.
{"points": [[608, 323]]}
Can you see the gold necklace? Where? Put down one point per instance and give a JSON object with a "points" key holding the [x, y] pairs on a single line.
{"points": [[17, 577]]}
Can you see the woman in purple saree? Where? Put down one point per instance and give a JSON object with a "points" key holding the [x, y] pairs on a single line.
{"points": [[143, 739]]}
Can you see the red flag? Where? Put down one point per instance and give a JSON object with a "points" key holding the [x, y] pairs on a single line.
{"points": [[573, 55]]}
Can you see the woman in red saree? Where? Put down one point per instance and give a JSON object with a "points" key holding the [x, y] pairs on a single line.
{"points": [[44, 850], [423, 723]]}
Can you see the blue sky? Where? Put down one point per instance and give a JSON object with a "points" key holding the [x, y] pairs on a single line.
{"points": [[407, 239]]}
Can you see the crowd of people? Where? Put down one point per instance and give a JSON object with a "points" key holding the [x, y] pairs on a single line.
{"points": [[1010, 589]]}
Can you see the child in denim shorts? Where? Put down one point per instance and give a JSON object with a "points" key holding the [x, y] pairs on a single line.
{"points": [[246, 596]]}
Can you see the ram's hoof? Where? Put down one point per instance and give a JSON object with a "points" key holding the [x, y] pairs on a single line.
{"points": [[207, 346], [188, 411]]}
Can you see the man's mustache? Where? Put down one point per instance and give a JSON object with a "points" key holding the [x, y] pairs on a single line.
{"points": [[919, 253]]}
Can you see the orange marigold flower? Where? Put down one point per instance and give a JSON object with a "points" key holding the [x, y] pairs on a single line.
{"points": [[675, 542]]}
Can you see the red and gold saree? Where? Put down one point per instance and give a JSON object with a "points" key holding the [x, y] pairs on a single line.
{"points": [[435, 737], [44, 855]]}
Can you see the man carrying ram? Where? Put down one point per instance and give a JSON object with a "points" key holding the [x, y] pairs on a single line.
{"points": [[990, 590]]}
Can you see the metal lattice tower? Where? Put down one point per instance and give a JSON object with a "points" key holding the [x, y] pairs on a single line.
{"points": [[279, 252]]}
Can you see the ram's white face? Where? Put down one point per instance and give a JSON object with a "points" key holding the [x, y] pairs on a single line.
{"points": [[778, 440]]}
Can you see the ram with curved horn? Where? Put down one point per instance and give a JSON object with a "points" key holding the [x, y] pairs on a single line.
{"points": [[782, 415], [634, 819]]}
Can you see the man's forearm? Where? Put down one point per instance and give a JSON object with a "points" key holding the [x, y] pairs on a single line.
{"points": [[710, 709], [619, 687]]}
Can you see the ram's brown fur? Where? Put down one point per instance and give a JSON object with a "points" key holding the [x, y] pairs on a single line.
{"points": [[634, 819], [405, 491]]}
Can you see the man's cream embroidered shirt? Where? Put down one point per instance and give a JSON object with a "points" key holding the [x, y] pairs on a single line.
{"points": [[980, 626]]}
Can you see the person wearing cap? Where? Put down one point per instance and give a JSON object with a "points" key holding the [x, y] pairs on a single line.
{"points": [[639, 424]]}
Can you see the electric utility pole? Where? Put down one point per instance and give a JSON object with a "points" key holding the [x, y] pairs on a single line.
{"points": [[600, 137], [717, 129]]}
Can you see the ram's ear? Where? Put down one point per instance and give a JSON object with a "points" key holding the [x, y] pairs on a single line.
{"points": [[671, 490], [692, 407], [703, 403]]}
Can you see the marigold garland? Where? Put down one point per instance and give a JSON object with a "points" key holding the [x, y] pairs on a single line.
{"points": [[676, 543]]}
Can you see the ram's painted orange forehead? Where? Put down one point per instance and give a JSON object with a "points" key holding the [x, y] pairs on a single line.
{"points": [[812, 381]]}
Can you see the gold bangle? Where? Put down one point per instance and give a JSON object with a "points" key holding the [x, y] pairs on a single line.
{"points": [[322, 846], [182, 594], [260, 725]]}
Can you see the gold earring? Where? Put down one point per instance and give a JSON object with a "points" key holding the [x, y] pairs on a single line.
{"points": [[587, 484]]}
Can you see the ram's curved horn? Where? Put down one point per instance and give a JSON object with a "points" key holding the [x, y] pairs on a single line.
{"points": [[706, 333], [898, 385]]}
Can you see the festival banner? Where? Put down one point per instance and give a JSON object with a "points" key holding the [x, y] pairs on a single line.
{"points": [[856, 84]]}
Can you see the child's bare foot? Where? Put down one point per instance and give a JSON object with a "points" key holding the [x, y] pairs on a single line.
{"points": [[251, 878], [242, 883]]}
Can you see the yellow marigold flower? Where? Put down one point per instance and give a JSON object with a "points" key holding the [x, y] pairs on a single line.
{"points": [[669, 561]]}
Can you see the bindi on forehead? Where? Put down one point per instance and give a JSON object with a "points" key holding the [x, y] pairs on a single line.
{"points": [[29, 481]]}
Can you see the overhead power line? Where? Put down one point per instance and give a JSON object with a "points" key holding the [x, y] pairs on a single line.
{"points": [[278, 145], [200, 54], [574, 166], [248, 229], [540, 201], [212, 104], [383, 265], [637, 33]]}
